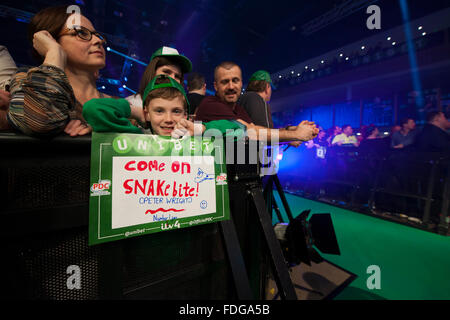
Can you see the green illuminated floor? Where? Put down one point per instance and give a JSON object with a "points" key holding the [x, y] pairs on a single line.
{"points": [[414, 264]]}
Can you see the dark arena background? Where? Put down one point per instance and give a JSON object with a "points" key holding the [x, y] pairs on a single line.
{"points": [[332, 62]]}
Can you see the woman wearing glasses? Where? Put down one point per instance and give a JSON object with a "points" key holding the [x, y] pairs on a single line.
{"points": [[48, 99]]}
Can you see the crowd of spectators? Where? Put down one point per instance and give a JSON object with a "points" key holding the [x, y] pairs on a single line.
{"points": [[433, 137]]}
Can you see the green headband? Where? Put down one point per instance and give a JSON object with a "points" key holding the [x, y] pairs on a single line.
{"points": [[171, 84]]}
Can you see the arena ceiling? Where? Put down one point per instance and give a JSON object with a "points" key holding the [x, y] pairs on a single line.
{"points": [[256, 34]]}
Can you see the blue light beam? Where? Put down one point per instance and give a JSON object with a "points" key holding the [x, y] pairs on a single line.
{"points": [[417, 86], [125, 56]]}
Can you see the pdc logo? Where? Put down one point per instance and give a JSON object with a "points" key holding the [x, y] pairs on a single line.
{"points": [[221, 179], [101, 188]]}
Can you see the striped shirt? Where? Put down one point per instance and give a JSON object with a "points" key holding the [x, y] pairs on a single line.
{"points": [[42, 101]]}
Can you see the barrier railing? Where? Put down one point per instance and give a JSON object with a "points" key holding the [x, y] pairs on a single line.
{"points": [[404, 186]]}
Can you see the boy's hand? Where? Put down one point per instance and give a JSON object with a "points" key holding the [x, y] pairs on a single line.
{"points": [[186, 127]]}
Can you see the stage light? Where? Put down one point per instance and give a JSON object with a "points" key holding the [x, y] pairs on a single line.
{"points": [[358, 133], [363, 47], [341, 55], [125, 78], [346, 58], [298, 74], [299, 237], [103, 87], [424, 33], [312, 70], [292, 72], [322, 61], [386, 133], [420, 28], [279, 76], [306, 67], [124, 86], [393, 43], [389, 38], [108, 48]]}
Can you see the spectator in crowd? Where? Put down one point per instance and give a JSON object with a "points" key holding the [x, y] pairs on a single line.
{"points": [[196, 87], [318, 144], [332, 132], [394, 129], [165, 60], [319, 141], [346, 138], [372, 142], [256, 97], [434, 136], [370, 132], [406, 135], [255, 100], [47, 100], [361, 136]]}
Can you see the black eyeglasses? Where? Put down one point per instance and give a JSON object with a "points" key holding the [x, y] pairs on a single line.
{"points": [[84, 33]]}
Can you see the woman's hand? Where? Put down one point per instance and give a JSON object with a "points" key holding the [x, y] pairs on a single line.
{"points": [[50, 49], [5, 98], [77, 128]]}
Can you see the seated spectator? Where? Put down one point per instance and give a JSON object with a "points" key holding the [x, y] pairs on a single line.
{"points": [[332, 132], [196, 86], [346, 138], [48, 99], [406, 135], [434, 136]]}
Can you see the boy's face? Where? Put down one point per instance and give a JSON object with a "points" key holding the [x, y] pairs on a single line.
{"points": [[164, 114]]}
